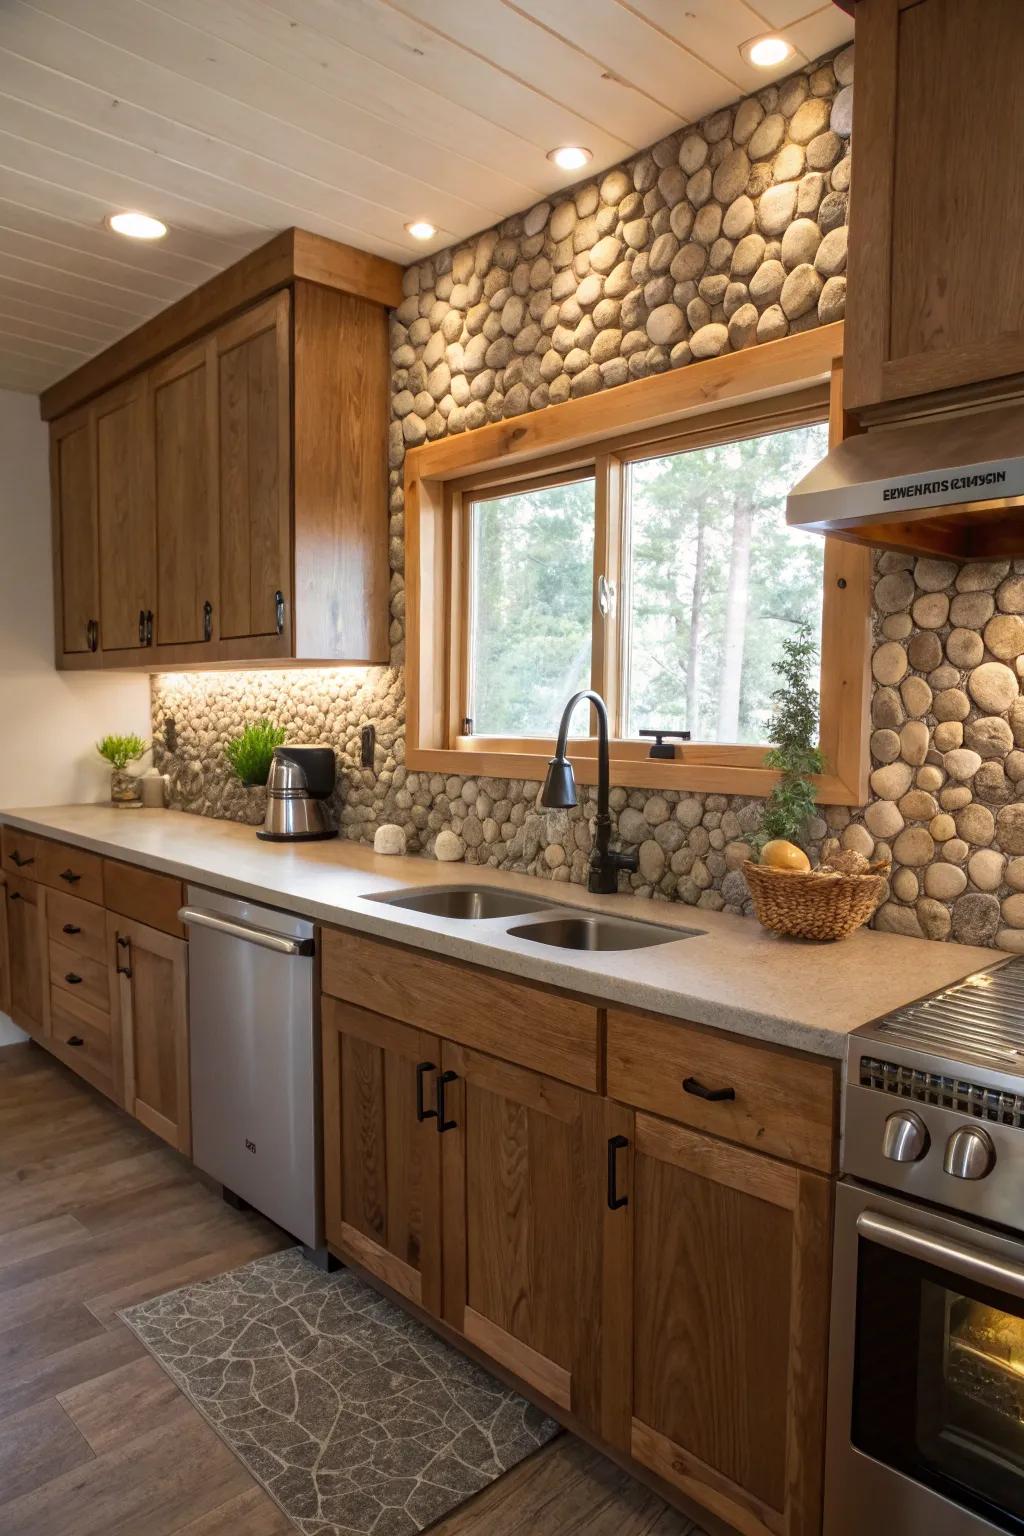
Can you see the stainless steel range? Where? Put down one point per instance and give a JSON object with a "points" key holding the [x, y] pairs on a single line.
{"points": [[926, 1385]]}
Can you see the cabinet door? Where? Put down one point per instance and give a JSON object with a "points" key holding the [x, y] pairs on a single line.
{"points": [[254, 446], [731, 1261], [26, 940], [524, 1191], [75, 535], [151, 1021], [5, 953], [127, 532], [184, 435], [382, 1154]]}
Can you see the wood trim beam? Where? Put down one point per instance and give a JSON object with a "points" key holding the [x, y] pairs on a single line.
{"points": [[295, 253]]}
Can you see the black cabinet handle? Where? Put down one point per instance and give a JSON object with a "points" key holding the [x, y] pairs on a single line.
{"points": [[713, 1095], [18, 861], [15, 895], [74, 1040], [142, 626], [149, 626], [442, 1083], [279, 611], [615, 1200], [72, 978], [207, 620], [71, 928], [422, 1113], [92, 634], [70, 876], [123, 943]]}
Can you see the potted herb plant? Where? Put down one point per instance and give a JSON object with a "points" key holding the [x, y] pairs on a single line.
{"points": [[119, 751], [250, 754], [794, 752]]}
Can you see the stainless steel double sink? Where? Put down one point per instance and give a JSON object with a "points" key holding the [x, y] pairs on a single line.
{"points": [[559, 927]]}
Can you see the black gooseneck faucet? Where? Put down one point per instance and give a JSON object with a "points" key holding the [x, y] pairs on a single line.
{"points": [[559, 793]]}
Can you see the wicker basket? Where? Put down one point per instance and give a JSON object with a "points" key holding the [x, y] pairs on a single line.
{"points": [[808, 906]]}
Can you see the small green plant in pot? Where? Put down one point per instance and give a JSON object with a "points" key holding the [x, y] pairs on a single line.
{"points": [[794, 752], [119, 751], [251, 753]]}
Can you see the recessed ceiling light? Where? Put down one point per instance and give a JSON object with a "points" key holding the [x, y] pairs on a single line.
{"points": [[766, 52], [422, 229], [137, 226], [570, 157]]}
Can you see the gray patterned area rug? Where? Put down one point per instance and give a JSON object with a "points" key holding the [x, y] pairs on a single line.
{"points": [[356, 1419]]}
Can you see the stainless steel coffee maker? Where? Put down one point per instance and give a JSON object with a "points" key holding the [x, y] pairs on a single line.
{"points": [[301, 779]]}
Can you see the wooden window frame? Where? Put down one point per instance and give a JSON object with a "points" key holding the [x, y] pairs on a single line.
{"points": [[766, 388]]}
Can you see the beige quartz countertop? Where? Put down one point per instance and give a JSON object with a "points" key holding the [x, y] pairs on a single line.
{"points": [[733, 975]]}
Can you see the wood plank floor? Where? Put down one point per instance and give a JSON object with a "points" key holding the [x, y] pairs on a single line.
{"points": [[95, 1440]]}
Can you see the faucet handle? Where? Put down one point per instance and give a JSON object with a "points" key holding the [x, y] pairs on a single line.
{"points": [[660, 747]]}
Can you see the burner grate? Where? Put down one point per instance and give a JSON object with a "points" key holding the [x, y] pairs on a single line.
{"points": [[955, 1093]]}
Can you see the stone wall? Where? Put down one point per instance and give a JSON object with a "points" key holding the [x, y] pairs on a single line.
{"points": [[721, 236]]}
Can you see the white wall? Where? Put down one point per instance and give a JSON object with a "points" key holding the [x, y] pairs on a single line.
{"points": [[49, 720]]}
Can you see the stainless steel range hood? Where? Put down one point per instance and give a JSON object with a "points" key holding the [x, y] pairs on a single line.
{"points": [[960, 472]]}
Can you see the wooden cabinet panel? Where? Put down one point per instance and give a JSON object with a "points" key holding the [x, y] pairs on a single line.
{"points": [[76, 973], [532, 1025], [143, 894], [927, 312], [70, 869], [731, 1261], [184, 427], [5, 953], [382, 1155], [126, 527], [20, 853], [85, 1039], [254, 445], [29, 964], [783, 1103], [151, 1019], [79, 925], [523, 1177], [75, 535]]}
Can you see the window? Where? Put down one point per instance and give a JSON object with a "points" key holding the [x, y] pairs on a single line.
{"points": [[635, 542]]}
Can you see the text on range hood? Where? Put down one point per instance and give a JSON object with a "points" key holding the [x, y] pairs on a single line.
{"points": [[950, 483]]}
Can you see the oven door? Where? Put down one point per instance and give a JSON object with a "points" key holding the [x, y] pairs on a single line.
{"points": [[926, 1386]]}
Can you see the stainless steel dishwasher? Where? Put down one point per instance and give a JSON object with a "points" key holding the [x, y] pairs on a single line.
{"points": [[254, 1066]]}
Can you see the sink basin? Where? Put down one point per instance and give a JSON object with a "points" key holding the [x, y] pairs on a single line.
{"points": [[466, 901], [597, 933]]}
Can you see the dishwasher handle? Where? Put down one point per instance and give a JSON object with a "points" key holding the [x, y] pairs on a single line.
{"points": [[199, 917]]}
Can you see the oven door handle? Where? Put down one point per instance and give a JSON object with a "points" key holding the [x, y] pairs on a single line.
{"points": [[970, 1263]]}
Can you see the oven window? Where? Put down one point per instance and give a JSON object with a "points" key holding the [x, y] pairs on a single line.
{"points": [[939, 1382]]}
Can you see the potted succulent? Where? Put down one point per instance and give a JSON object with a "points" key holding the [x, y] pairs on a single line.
{"points": [[251, 753], [119, 751]]}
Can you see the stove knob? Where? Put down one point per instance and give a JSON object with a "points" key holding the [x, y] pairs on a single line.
{"points": [[969, 1154], [906, 1137]]}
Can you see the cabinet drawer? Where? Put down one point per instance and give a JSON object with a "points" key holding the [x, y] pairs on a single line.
{"points": [[78, 925], [64, 868], [534, 1026], [20, 853], [143, 895], [75, 973], [781, 1102], [81, 1037]]}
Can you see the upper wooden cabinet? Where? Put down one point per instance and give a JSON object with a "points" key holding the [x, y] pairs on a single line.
{"points": [[228, 502], [937, 211]]}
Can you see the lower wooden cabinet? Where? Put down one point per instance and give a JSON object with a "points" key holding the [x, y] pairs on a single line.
{"points": [[150, 1005], [382, 1154], [27, 947]]}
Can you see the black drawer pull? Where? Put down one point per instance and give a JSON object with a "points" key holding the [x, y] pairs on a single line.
{"points": [[16, 896], [72, 979], [713, 1095], [123, 943], [615, 1200], [71, 928], [74, 1040], [442, 1083], [70, 876], [207, 620], [18, 861], [422, 1113]]}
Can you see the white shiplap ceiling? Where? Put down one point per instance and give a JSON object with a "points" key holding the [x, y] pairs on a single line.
{"points": [[233, 119]]}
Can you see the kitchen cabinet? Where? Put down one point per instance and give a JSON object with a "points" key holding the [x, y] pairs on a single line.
{"points": [[26, 939], [930, 305], [227, 502], [382, 1152], [150, 1006], [5, 953]]}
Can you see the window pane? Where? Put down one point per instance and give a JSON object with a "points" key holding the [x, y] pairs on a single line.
{"points": [[531, 589], [717, 582]]}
